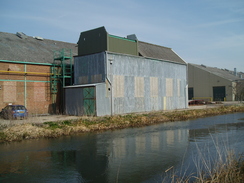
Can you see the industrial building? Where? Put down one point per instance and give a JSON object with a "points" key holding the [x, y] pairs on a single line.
{"points": [[214, 84], [33, 71], [118, 75], [102, 75]]}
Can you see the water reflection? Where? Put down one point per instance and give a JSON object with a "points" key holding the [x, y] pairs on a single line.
{"points": [[129, 155], [145, 153]]}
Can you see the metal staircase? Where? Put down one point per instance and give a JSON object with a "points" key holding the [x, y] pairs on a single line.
{"points": [[62, 69], [61, 76]]}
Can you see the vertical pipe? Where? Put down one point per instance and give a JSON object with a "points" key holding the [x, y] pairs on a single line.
{"points": [[112, 99], [25, 92], [186, 85], [111, 87]]}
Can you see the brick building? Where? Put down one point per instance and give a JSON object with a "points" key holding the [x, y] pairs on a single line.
{"points": [[32, 72]]}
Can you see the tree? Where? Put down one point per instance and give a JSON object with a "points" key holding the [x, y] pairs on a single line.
{"points": [[239, 90]]}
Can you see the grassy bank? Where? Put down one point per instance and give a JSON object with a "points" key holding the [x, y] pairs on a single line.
{"points": [[88, 124]]}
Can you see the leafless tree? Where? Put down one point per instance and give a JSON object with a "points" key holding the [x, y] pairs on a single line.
{"points": [[239, 90]]}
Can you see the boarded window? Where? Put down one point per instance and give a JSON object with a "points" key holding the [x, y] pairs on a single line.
{"points": [[118, 85], [139, 87], [83, 80], [169, 87], [9, 91], [96, 78], [14, 67], [39, 92], [154, 86], [178, 87]]}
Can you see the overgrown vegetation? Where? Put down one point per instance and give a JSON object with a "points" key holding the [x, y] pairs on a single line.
{"points": [[88, 124], [231, 170], [211, 166]]}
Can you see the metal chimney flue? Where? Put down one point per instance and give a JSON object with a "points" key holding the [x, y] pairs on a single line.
{"points": [[235, 72], [132, 37]]}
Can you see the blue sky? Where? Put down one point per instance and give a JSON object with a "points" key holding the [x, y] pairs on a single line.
{"points": [[209, 32]]}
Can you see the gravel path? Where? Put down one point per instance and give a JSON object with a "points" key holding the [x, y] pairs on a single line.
{"points": [[38, 119]]}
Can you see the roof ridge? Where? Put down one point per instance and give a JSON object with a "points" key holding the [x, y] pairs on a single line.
{"points": [[33, 37], [216, 72], [154, 44]]}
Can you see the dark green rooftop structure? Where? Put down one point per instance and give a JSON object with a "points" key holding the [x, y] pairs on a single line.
{"points": [[98, 40]]}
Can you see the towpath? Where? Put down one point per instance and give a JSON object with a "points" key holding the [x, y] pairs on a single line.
{"points": [[48, 118]]}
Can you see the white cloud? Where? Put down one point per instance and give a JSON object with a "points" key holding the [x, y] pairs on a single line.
{"points": [[220, 22], [205, 31]]}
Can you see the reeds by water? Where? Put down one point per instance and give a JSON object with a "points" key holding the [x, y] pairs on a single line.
{"points": [[229, 171], [212, 165]]}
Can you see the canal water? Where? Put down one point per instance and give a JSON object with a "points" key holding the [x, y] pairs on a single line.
{"points": [[147, 154]]}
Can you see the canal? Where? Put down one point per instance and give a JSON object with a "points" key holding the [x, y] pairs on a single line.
{"points": [[129, 155]]}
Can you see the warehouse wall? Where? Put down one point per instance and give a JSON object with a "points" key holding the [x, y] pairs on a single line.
{"points": [[122, 45], [203, 82], [89, 69], [135, 84], [141, 84], [31, 89], [103, 99], [75, 103]]}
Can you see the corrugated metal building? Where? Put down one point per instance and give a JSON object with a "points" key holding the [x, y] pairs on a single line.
{"points": [[213, 84], [115, 75]]}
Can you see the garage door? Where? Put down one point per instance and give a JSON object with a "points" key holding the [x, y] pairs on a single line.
{"points": [[190, 93], [219, 93]]}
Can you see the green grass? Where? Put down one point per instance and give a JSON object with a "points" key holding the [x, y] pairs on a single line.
{"points": [[54, 125], [3, 136]]}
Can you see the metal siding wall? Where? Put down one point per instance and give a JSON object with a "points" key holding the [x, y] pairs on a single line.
{"points": [[203, 83], [73, 101], [147, 94], [132, 67], [118, 45], [89, 69], [129, 93], [92, 41], [119, 105], [103, 100]]}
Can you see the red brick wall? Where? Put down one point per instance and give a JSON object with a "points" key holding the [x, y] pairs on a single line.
{"points": [[30, 89]]}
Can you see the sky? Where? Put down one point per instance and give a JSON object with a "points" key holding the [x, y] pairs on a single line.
{"points": [[209, 32]]}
